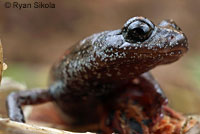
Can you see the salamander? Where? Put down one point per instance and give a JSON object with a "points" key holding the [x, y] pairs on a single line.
{"points": [[87, 81]]}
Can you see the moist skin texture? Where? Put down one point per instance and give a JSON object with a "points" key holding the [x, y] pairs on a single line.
{"points": [[88, 81]]}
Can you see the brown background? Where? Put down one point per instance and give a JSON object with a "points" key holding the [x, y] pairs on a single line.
{"points": [[34, 38]]}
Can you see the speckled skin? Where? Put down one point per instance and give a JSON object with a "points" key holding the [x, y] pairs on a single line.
{"points": [[103, 65]]}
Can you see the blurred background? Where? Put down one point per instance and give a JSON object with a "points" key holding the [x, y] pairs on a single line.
{"points": [[33, 39]]}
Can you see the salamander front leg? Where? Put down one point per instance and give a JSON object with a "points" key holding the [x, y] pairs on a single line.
{"points": [[15, 100], [153, 98]]}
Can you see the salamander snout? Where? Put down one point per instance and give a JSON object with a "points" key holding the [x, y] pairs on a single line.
{"points": [[137, 29], [177, 41]]}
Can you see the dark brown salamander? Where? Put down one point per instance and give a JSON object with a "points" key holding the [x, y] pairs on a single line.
{"points": [[90, 77]]}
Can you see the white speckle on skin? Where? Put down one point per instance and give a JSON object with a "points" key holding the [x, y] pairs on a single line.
{"points": [[98, 75], [118, 73], [94, 72], [109, 75]]}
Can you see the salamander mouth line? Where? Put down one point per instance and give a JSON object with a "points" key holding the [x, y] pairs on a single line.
{"points": [[169, 53], [173, 53], [176, 50]]}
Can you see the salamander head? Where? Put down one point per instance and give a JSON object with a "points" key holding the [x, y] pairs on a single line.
{"points": [[141, 45]]}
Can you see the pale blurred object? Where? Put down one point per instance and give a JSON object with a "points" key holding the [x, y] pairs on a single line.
{"points": [[5, 66]]}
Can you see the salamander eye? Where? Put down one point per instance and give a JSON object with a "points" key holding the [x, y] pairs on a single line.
{"points": [[137, 31]]}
